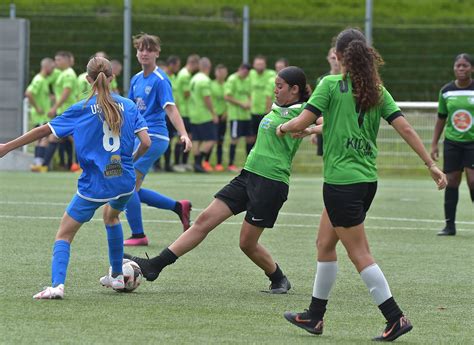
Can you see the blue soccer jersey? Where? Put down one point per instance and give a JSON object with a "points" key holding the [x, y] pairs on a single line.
{"points": [[151, 95], [105, 158]]}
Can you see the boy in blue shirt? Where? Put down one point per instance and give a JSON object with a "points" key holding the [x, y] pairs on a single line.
{"points": [[104, 128], [151, 90]]}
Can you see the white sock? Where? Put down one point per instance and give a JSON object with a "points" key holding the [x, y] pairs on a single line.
{"points": [[376, 283], [325, 277]]}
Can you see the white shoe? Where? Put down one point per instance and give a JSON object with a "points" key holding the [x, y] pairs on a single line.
{"points": [[188, 167], [51, 293], [179, 168], [115, 283]]}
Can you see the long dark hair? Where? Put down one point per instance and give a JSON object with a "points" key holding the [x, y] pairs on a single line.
{"points": [[295, 76], [361, 62]]}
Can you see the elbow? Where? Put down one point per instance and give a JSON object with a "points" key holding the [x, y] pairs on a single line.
{"points": [[146, 143]]}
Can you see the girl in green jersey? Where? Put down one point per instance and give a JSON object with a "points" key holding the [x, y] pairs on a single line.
{"points": [[353, 104], [260, 189], [456, 112]]}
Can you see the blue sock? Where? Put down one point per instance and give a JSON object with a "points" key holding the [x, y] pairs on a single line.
{"points": [[61, 252], [154, 199], [134, 214], [115, 240]]}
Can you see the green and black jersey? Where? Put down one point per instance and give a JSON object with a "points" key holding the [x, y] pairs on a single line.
{"points": [[456, 105], [349, 135], [271, 156]]}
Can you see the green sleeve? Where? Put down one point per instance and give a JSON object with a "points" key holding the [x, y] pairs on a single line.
{"points": [[206, 88], [442, 108], [34, 86], [228, 88], [69, 81], [319, 101], [390, 109], [185, 84]]}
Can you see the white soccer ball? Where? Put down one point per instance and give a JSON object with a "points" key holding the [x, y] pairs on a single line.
{"points": [[132, 275]]}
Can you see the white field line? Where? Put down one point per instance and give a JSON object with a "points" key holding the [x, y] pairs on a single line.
{"points": [[229, 223], [396, 219]]}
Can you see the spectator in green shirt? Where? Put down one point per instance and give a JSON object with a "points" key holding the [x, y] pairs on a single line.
{"points": [[201, 114], [39, 99], [237, 95]]}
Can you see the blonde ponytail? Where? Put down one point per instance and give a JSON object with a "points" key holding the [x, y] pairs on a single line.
{"points": [[99, 69]]}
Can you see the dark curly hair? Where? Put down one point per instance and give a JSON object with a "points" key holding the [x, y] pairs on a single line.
{"points": [[361, 62]]}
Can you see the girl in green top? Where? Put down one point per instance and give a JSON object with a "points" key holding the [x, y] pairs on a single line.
{"points": [[260, 189], [353, 104], [456, 112]]}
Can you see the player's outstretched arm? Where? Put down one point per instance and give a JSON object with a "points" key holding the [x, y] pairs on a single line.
{"points": [[27, 138], [406, 131], [175, 118], [298, 124], [145, 144], [308, 131]]}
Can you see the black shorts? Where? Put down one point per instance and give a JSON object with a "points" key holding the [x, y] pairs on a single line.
{"points": [[256, 119], [240, 128], [261, 197], [348, 204], [206, 131], [458, 155], [221, 128], [187, 124]]}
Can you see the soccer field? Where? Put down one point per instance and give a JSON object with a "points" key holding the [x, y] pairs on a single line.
{"points": [[212, 294]]}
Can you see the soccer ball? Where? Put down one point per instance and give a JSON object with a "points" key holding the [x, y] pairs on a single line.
{"points": [[132, 275]]}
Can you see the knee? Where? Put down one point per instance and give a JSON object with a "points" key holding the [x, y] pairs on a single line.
{"points": [[201, 223], [246, 245], [110, 219], [324, 246], [361, 258]]}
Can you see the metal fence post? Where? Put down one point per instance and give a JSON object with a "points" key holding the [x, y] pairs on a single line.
{"points": [[369, 6], [12, 11], [127, 47], [245, 28]]}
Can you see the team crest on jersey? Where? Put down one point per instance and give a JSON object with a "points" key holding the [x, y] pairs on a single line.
{"points": [[462, 120], [114, 168], [147, 90], [265, 123]]}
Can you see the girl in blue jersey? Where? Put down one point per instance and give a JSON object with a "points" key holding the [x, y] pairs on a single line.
{"points": [[104, 128], [150, 89]]}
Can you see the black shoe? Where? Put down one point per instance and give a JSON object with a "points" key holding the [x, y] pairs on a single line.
{"points": [[447, 231], [148, 271], [199, 169], [394, 330], [280, 287], [304, 320]]}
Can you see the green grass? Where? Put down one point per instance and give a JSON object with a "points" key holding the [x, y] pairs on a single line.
{"points": [[211, 295]]}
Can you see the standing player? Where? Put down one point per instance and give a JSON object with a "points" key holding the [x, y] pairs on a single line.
{"points": [[40, 103], [220, 107], [353, 104], [260, 189], [116, 70], [237, 95], [182, 95], [104, 128], [151, 91], [335, 68], [456, 112], [260, 92], [202, 115]]}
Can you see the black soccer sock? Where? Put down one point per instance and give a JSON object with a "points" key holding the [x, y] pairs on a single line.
{"points": [[451, 197], [471, 190], [49, 153], [219, 153], [249, 147], [178, 150], [390, 310], [68, 149], [277, 275], [198, 159], [185, 157], [37, 151], [166, 257], [317, 308], [168, 157], [178, 209], [41, 151], [61, 151], [207, 156], [232, 153]]}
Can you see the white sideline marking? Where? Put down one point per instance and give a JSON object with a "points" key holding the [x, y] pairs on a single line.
{"points": [[232, 223], [396, 219]]}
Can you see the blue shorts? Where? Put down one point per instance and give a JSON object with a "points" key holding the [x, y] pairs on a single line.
{"points": [[82, 210], [156, 150], [206, 131]]}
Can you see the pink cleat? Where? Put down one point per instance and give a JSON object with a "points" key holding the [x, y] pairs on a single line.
{"points": [[134, 242], [185, 217]]}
